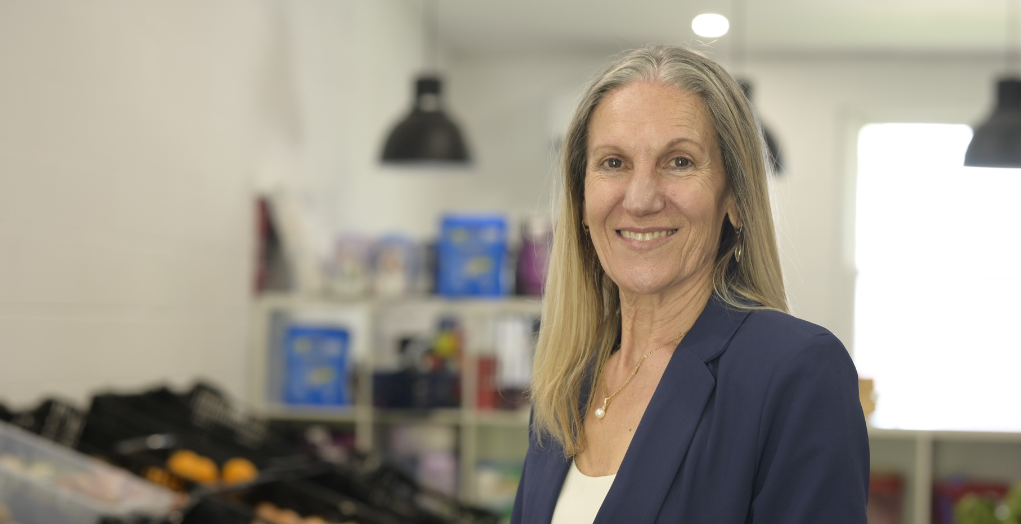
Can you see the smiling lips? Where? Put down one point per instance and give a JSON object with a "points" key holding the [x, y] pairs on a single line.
{"points": [[644, 237]]}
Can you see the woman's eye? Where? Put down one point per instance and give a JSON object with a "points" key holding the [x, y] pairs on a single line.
{"points": [[680, 162], [613, 163]]}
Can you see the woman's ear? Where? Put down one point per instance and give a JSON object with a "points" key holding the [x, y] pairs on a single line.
{"points": [[733, 214]]}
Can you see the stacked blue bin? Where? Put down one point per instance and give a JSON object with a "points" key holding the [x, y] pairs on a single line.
{"points": [[472, 254]]}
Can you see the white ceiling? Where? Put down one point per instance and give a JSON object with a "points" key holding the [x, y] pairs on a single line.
{"points": [[483, 27]]}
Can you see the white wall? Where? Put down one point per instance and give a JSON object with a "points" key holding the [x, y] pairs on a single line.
{"points": [[337, 170], [126, 137], [131, 138], [352, 64]]}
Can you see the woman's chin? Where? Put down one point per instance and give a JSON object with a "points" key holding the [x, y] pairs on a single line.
{"points": [[643, 284], [651, 282]]}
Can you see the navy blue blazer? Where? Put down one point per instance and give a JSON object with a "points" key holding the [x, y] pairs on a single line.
{"points": [[756, 420]]}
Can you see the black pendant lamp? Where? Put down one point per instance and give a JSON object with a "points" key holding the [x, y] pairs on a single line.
{"points": [[427, 136], [740, 26], [997, 142], [771, 144]]}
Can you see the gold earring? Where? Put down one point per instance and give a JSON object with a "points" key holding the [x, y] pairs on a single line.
{"points": [[740, 244], [585, 227]]}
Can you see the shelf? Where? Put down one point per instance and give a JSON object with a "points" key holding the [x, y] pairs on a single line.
{"points": [[313, 413], [920, 456], [490, 429], [519, 418], [923, 457], [511, 419], [448, 416], [947, 436], [510, 304]]}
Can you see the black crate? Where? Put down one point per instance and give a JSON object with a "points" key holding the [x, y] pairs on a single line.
{"points": [[140, 432], [380, 484], [53, 419]]}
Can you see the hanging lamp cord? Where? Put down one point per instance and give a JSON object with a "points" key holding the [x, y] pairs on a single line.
{"points": [[1013, 37], [432, 22], [739, 10]]}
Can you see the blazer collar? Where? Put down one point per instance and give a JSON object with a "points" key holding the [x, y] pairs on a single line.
{"points": [[663, 435], [713, 330]]}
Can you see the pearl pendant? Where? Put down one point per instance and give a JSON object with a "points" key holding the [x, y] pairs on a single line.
{"points": [[601, 411]]}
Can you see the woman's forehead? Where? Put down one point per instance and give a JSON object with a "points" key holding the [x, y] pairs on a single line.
{"points": [[634, 111]]}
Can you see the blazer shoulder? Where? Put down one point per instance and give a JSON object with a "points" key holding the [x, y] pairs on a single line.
{"points": [[780, 322], [767, 338]]}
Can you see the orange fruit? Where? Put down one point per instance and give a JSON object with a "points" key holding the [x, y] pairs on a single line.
{"points": [[192, 466], [239, 470]]}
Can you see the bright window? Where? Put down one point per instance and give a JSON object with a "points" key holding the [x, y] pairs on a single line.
{"points": [[938, 293]]}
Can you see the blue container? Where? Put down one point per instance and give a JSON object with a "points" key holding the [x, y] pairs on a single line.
{"points": [[471, 255], [316, 365]]}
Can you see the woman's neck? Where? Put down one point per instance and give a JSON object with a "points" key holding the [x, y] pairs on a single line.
{"points": [[649, 321]]}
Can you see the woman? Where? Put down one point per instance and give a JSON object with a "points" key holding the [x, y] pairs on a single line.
{"points": [[670, 385]]}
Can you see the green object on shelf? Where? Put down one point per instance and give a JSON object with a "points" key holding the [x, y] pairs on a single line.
{"points": [[973, 509], [1013, 502]]}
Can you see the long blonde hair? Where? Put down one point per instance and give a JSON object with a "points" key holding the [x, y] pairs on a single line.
{"points": [[581, 308]]}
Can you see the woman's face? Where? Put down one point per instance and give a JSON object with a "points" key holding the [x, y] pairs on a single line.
{"points": [[656, 192]]}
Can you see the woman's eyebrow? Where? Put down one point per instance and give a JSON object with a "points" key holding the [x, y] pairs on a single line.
{"points": [[677, 141], [614, 148], [607, 148]]}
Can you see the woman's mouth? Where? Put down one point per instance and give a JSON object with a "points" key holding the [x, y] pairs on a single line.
{"points": [[644, 237]]}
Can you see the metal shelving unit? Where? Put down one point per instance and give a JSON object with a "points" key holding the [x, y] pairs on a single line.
{"points": [[362, 416], [920, 457], [925, 456]]}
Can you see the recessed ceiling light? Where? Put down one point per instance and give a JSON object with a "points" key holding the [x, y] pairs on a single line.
{"points": [[710, 25]]}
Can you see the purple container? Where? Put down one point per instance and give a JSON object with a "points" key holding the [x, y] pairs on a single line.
{"points": [[533, 262]]}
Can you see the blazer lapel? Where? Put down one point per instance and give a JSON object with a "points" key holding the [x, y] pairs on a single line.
{"points": [[668, 425]]}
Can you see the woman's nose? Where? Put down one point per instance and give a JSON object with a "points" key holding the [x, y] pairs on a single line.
{"points": [[643, 195]]}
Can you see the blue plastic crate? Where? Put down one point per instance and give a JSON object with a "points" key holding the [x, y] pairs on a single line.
{"points": [[472, 253], [316, 360]]}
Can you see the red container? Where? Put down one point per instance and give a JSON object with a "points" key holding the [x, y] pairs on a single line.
{"points": [[886, 498], [488, 396]]}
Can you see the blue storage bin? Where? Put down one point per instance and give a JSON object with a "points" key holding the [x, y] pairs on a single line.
{"points": [[472, 253], [316, 361]]}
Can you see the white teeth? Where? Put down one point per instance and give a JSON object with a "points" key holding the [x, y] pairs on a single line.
{"points": [[632, 235]]}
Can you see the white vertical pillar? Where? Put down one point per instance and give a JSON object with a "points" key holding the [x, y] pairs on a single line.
{"points": [[922, 496]]}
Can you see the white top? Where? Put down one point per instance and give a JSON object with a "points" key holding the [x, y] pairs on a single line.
{"points": [[581, 497]]}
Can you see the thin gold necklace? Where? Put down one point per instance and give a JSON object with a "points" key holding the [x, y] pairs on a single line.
{"points": [[601, 411]]}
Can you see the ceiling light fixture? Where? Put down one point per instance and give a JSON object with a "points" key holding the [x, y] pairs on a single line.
{"points": [[710, 25], [427, 136], [997, 142]]}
